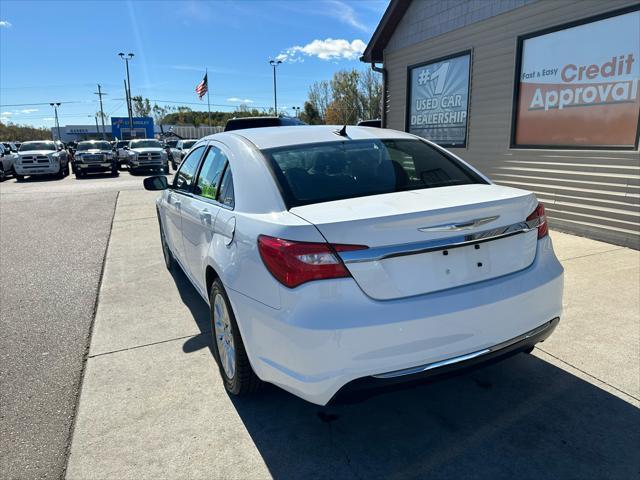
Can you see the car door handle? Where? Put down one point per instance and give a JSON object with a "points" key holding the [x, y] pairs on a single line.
{"points": [[205, 215]]}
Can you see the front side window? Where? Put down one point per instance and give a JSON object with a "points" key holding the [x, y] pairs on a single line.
{"points": [[184, 177], [356, 168], [210, 173]]}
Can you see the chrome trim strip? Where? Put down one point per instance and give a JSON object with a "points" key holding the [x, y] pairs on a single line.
{"points": [[462, 358], [389, 251], [454, 227]]}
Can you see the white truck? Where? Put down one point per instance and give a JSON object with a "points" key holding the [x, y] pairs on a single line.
{"points": [[41, 157], [147, 154]]}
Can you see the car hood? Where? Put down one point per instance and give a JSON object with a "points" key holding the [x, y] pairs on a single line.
{"points": [[147, 150], [92, 151], [36, 152]]}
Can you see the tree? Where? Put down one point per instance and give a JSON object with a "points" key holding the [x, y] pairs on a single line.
{"points": [[320, 96], [370, 94], [346, 96], [349, 97], [310, 114], [23, 133], [141, 107]]}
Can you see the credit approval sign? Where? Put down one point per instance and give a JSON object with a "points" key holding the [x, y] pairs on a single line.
{"points": [[579, 86]]}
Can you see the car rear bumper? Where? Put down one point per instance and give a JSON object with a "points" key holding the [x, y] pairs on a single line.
{"points": [[328, 334]]}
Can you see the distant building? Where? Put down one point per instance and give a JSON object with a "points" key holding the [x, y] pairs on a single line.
{"points": [[539, 94]]}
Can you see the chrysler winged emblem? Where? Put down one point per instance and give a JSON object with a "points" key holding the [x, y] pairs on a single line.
{"points": [[455, 227]]}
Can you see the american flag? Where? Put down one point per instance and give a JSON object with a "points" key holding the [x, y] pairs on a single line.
{"points": [[203, 87]]}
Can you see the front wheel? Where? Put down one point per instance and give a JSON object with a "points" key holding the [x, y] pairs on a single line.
{"points": [[114, 171], [165, 170], [228, 348], [19, 177]]}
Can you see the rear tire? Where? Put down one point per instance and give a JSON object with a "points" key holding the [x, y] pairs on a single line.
{"points": [[236, 372]]}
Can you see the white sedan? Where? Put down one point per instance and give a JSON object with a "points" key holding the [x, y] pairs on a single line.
{"points": [[334, 258]]}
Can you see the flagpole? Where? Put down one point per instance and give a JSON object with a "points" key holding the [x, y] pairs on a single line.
{"points": [[208, 103]]}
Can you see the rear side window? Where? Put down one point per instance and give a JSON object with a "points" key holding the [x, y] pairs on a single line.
{"points": [[210, 173], [227, 195], [353, 168], [184, 177]]}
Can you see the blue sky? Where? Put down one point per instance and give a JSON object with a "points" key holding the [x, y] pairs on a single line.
{"points": [[58, 51]]}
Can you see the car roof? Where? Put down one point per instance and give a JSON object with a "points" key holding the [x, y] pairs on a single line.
{"points": [[275, 137]]}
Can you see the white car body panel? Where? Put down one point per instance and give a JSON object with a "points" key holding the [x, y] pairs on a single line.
{"points": [[393, 314]]}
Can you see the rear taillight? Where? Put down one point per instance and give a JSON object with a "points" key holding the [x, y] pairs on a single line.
{"points": [[294, 263], [539, 215]]}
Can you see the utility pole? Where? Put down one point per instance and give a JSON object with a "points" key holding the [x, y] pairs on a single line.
{"points": [[97, 127], [100, 94], [274, 64], [55, 110], [126, 59]]}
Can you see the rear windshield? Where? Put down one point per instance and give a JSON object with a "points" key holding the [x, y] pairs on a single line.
{"points": [[355, 168], [188, 143]]}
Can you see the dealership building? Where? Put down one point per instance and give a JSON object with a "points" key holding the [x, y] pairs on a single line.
{"points": [[538, 94]]}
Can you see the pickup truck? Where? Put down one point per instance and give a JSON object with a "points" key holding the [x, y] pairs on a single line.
{"points": [[94, 156], [7, 157], [41, 157], [147, 154]]}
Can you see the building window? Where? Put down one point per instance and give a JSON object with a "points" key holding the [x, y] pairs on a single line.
{"points": [[577, 85], [438, 99]]}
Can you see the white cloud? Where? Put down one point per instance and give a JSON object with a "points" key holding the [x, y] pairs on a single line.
{"points": [[51, 119], [239, 100], [329, 49], [6, 114], [346, 14], [29, 110], [5, 24], [4, 119]]}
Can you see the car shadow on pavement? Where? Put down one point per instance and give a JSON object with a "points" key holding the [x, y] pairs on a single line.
{"points": [[40, 179], [93, 176], [198, 309], [520, 418]]}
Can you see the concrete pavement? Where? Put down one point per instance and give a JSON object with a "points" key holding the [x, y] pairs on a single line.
{"points": [[153, 406]]}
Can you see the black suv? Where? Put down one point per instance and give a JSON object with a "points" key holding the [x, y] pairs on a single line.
{"points": [[259, 122]]}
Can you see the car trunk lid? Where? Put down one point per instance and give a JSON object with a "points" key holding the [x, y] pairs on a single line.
{"points": [[422, 241]]}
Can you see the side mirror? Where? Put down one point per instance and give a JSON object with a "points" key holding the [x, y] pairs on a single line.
{"points": [[158, 182], [125, 148]]}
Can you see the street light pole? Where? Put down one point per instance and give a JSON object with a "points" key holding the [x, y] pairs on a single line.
{"points": [[126, 59], [55, 110], [274, 64]]}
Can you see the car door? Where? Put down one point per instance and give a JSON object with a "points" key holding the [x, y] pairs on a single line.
{"points": [[179, 191], [199, 214]]}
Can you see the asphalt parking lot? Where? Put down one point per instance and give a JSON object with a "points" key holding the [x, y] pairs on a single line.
{"points": [[53, 237], [152, 404]]}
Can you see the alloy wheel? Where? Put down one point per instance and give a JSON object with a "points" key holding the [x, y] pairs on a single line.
{"points": [[224, 336]]}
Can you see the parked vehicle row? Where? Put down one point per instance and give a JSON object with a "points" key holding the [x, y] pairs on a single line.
{"points": [[336, 257]]}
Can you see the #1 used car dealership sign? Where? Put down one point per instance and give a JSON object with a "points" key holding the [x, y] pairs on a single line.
{"points": [[438, 100], [579, 86]]}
